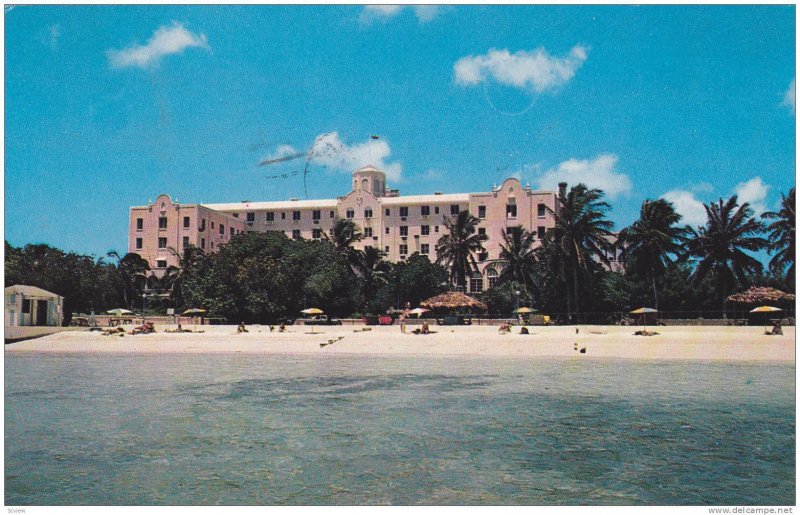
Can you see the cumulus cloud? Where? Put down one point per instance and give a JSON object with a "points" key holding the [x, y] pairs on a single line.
{"points": [[424, 13], [165, 41], [595, 173], [534, 71], [329, 150], [753, 192], [688, 206], [789, 97]]}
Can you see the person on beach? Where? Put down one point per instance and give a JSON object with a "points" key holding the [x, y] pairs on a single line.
{"points": [[402, 324], [282, 328], [241, 328]]}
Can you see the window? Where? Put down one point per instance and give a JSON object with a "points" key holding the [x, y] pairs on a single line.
{"points": [[296, 234], [388, 212], [162, 222], [316, 214], [454, 209], [404, 211], [283, 216], [481, 211], [139, 224], [212, 245], [368, 213], [540, 232], [492, 275], [26, 305], [202, 243], [368, 232], [185, 242], [403, 230], [435, 228], [251, 217], [482, 230], [425, 248], [186, 222], [232, 232], [425, 230], [212, 225], [483, 256], [387, 230], [236, 215], [161, 263], [222, 230], [403, 250], [202, 225], [511, 210], [316, 233], [138, 243], [436, 210], [476, 284], [270, 217], [295, 215], [541, 210], [425, 210], [332, 214], [350, 213], [162, 243], [386, 248]]}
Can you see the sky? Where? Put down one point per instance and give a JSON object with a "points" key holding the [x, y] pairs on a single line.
{"points": [[106, 107]]}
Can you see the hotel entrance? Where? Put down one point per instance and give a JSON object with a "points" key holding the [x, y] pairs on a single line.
{"points": [[41, 313]]}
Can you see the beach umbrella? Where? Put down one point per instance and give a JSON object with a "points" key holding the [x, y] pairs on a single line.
{"points": [[418, 311], [193, 312], [312, 311], [119, 312], [524, 310], [765, 309], [644, 312]]}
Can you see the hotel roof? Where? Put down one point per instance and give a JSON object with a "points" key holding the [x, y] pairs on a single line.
{"points": [[280, 204], [422, 199]]}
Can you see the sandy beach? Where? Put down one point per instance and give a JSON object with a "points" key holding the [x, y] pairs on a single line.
{"points": [[673, 342]]}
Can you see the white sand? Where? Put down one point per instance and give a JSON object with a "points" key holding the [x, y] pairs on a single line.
{"points": [[673, 343]]}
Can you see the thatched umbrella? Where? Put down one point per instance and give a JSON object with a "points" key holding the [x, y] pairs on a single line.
{"points": [[758, 296], [453, 300]]}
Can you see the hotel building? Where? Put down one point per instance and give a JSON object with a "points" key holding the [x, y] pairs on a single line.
{"points": [[397, 225]]}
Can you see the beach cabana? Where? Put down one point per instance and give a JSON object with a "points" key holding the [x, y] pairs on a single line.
{"points": [[453, 303], [744, 302], [29, 305]]}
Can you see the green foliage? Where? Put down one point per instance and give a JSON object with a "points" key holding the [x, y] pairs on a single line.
{"points": [[410, 281], [502, 298], [781, 234], [457, 248]]}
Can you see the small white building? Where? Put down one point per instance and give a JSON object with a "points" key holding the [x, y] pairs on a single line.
{"points": [[29, 305]]}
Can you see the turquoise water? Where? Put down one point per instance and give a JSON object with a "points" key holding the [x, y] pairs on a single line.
{"points": [[253, 429]]}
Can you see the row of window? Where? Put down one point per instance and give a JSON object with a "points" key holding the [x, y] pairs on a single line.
{"points": [[162, 224]]}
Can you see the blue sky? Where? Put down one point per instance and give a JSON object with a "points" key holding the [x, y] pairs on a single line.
{"points": [[108, 106]]}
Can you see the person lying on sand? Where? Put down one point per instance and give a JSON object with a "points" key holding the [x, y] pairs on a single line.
{"points": [[504, 328]]}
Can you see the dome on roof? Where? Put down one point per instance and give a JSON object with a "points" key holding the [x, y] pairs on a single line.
{"points": [[368, 168]]}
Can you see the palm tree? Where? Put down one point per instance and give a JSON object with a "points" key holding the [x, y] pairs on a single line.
{"points": [[175, 276], [651, 240], [132, 273], [781, 237], [581, 234], [345, 234], [718, 247], [458, 246], [517, 252], [375, 271]]}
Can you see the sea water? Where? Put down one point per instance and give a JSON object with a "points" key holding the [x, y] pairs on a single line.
{"points": [[235, 429]]}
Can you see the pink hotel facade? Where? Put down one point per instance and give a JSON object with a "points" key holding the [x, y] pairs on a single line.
{"points": [[397, 225]]}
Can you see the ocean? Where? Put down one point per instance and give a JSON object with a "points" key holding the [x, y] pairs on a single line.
{"points": [[243, 429]]}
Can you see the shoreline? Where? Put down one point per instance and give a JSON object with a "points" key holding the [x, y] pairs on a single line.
{"points": [[673, 343]]}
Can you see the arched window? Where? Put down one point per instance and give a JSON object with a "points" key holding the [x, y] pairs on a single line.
{"points": [[365, 184]]}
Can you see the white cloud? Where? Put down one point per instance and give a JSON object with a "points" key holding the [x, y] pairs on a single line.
{"points": [[754, 192], [330, 151], [688, 206], [55, 35], [789, 97], [595, 173], [165, 41], [701, 187], [534, 70], [424, 13]]}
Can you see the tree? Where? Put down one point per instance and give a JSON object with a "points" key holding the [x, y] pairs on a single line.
{"points": [[132, 275], [782, 239], [520, 259], [175, 276], [458, 246], [648, 243], [581, 235], [718, 248], [345, 234], [374, 271]]}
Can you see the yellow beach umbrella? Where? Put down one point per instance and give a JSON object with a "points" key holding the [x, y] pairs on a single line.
{"points": [[644, 312], [312, 311], [524, 310], [765, 309]]}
